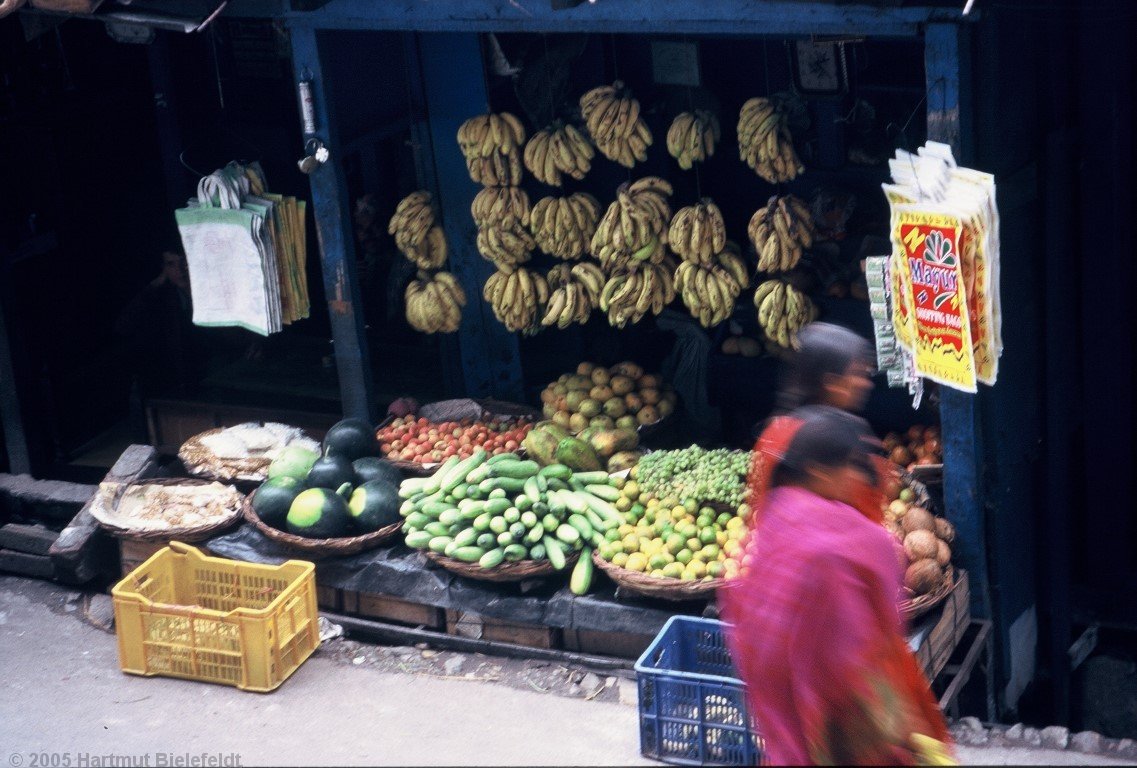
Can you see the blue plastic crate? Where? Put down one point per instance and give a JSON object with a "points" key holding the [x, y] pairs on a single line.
{"points": [[692, 704]]}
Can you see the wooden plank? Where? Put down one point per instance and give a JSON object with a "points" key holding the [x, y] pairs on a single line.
{"points": [[394, 610], [464, 624], [624, 645], [941, 641], [134, 553], [329, 598], [33, 539], [337, 249], [770, 17]]}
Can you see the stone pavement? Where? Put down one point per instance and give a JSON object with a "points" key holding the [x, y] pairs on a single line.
{"points": [[65, 703]]}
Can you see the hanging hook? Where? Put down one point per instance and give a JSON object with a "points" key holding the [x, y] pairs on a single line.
{"points": [[182, 160]]}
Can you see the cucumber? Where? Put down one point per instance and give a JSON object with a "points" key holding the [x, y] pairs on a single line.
{"points": [[530, 489], [417, 520], [412, 486], [496, 494], [499, 458], [455, 529], [507, 484], [478, 475], [518, 531], [598, 540], [530, 519], [475, 492], [576, 502], [433, 509], [450, 548], [581, 524], [516, 469], [606, 492], [499, 524], [472, 513], [568, 534], [599, 477], [556, 484], [460, 492], [581, 579], [482, 521], [604, 509], [550, 522], [466, 538], [505, 539], [554, 552], [418, 539], [450, 516], [512, 515], [515, 552], [557, 471], [469, 554], [498, 505], [487, 540], [535, 534], [439, 543], [576, 484], [523, 502], [537, 552], [556, 503], [540, 509], [433, 483], [407, 507], [492, 559], [542, 484], [435, 528], [463, 468]]}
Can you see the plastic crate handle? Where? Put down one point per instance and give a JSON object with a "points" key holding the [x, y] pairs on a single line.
{"points": [[182, 548]]}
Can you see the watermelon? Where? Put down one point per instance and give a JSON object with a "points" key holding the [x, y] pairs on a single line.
{"points": [[274, 498], [319, 513], [330, 471], [353, 438], [375, 504], [373, 468]]}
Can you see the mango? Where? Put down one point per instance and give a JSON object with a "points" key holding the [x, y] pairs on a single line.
{"points": [[609, 442], [578, 455]]}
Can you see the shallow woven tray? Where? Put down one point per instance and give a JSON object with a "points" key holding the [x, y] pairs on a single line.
{"points": [[341, 547], [912, 608], [416, 469], [672, 589], [506, 571], [106, 517], [202, 462]]}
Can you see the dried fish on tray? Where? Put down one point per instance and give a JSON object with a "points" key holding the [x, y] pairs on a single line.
{"points": [[240, 452], [183, 509]]}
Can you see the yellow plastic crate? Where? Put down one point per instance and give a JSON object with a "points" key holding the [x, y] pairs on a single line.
{"points": [[184, 614]]}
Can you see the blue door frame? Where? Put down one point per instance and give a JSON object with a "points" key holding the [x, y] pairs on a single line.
{"points": [[489, 357]]}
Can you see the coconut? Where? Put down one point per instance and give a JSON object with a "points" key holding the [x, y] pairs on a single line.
{"points": [[918, 519], [945, 530], [920, 545], [943, 553], [923, 576]]}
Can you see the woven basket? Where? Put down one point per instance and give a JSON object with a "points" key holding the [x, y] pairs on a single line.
{"points": [[416, 469], [201, 462], [675, 590], [341, 547], [912, 608], [506, 571], [104, 510]]}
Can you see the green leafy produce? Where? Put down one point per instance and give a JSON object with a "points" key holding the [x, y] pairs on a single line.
{"points": [[695, 473]]}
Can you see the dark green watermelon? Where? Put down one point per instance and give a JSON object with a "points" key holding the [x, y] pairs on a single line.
{"points": [[373, 468], [375, 504], [274, 498], [330, 471], [318, 513], [353, 438]]}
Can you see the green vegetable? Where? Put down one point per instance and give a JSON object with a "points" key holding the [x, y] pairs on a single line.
{"points": [[554, 552], [493, 558], [418, 539], [581, 579]]}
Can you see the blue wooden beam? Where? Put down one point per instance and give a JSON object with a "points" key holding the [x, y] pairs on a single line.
{"points": [[452, 76], [333, 228], [949, 113], [765, 17]]}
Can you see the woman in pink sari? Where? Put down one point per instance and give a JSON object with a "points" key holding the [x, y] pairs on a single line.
{"points": [[816, 634]]}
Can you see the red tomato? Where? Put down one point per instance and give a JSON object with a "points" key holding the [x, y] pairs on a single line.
{"points": [[511, 445]]}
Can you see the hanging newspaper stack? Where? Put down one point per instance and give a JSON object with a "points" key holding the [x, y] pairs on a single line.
{"points": [[943, 275], [246, 252]]}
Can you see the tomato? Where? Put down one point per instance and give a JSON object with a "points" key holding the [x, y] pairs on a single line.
{"points": [[510, 445]]}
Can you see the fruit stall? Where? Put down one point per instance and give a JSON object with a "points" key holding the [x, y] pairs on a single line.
{"points": [[623, 231]]}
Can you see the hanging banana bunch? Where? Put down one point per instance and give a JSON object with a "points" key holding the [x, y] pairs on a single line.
{"points": [[434, 302], [710, 290], [574, 290], [780, 233], [692, 137], [633, 291], [697, 232], [765, 142], [634, 229], [783, 311], [516, 297], [563, 226], [613, 119], [417, 235], [559, 149], [504, 206], [492, 146]]}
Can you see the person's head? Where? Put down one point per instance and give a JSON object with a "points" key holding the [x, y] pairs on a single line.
{"points": [[174, 268], [833, 367], [828, 455]]}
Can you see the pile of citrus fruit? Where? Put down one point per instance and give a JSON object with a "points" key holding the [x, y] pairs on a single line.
{"points": [[675, 538]]}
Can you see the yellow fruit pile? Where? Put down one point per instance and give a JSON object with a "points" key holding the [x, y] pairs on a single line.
{"points": [[673, 538]]}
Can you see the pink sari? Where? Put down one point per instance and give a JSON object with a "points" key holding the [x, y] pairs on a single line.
{"points": [[818, 639]]}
